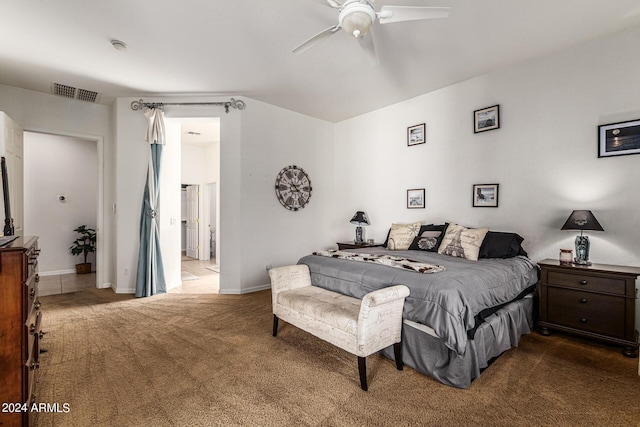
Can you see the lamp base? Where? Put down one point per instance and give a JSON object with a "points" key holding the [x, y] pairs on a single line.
{"points": [[582, 250], [359, 233]]}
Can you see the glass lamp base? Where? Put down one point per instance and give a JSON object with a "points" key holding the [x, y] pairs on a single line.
{"points": [[359, 238], [582, 251]]}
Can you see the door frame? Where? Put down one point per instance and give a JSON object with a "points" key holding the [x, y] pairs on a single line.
{"points": [[197, 221]]}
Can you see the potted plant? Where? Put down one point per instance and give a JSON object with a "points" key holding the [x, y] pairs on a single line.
{"points": [[84, 244]]}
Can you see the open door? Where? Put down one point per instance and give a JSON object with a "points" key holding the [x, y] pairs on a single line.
{"points": [[12, 149], [192, 221]]}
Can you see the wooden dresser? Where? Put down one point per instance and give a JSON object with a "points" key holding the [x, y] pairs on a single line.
{"points": [[596, 301], [20, 318]]}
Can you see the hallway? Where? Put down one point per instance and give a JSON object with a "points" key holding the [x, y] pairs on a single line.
{"points": [[198, 277]]}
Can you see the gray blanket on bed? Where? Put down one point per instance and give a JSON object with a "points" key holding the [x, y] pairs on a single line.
{"points": [[446, 301]]}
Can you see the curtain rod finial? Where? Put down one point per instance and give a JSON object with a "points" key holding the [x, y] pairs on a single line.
{"points": [[137, 105]]}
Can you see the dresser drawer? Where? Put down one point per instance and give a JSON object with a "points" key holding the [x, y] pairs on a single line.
{"points": [[33, 330], [32, 370], [32, 260], [587, 282], [30, 296], [602, 314]]}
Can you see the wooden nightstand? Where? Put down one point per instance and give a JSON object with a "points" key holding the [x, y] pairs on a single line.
{"points": [[351, 245], [596, 301]]}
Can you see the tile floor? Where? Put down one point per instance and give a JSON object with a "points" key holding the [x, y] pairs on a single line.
{"points": [[65, 283], [207, 282]]}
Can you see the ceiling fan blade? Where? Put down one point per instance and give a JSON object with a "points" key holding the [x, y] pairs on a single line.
{"points": [[389, 14], [334, 3], [369, 48], [316, 39]]}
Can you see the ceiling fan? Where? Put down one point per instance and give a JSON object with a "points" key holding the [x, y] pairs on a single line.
{"points": [[357, 16]]}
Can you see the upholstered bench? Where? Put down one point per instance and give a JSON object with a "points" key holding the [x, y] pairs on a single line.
{"points": [[361, 327]]}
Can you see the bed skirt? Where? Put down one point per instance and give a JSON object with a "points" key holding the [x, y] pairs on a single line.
{"points": [[426, 353]]}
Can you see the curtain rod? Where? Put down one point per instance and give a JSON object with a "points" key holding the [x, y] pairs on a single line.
{"points": [[233, 103]]}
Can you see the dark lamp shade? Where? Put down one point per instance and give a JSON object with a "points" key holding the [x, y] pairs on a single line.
{"points": [[582, 220], [360, 218]]}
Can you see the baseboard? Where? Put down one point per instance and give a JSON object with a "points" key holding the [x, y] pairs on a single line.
{"points": [[118, 290], [245, 291], [56, 272]]}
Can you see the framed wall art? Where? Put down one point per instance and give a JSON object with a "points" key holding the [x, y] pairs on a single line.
{"points": [[486, 119], [415, 198], [485, 195], [416, 134], [619, 139]]}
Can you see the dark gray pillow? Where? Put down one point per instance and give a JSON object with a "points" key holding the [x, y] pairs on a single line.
{"points": [[497, 244]]}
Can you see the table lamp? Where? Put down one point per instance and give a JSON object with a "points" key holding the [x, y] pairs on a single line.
{"points": [[582, 220], [360, 219]]}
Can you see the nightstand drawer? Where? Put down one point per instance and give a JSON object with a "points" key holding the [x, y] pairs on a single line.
{"points": [[587, 282], [601, 314], [596, 322], [561, 299]]}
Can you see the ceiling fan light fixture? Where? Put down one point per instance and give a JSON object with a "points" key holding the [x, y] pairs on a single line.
{"points": [[356, 19]]}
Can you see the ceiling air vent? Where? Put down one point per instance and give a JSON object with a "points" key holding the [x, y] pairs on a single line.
{"points": [[74, 93]]}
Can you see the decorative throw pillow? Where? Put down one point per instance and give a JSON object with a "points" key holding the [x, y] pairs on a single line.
{"points": [[429, 238], [497, 244], [462, 242], [401, 236]]}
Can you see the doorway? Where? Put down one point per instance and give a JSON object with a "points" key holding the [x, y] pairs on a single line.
{"points": [[196, 145], [60, 196]]}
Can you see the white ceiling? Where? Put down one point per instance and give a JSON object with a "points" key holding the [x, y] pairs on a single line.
{"points": [[200, 132], [243, 47]]}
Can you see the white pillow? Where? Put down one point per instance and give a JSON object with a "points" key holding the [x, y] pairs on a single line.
{"points": [[401, 236], [462, 242]]}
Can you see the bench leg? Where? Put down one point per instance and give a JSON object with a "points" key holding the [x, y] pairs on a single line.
{"points": [[362, 368], [275, 325], [397, 351]]}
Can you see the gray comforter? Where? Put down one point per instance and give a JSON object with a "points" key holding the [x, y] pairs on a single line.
{"points": [[446, 301]]}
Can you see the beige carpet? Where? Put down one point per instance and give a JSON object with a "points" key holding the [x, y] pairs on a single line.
{"points": [[210, 360]]}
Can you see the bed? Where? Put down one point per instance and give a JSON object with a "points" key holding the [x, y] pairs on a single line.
{"points": [[456, 320]]}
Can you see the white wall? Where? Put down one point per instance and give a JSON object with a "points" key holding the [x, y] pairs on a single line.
{"points": [[171, 206], [131, 164], [193, 164], [254, 229], [273, 138], [212, 176], [45, 215], [41, 112], [544, 156]]}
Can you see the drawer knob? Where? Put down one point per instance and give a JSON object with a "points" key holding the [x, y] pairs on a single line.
{"points": [[32, 293], [37, 278], [583, 300], [34, 365], [583, 282], [583, 320], [41, 335], [37, 305], [32, 329]]}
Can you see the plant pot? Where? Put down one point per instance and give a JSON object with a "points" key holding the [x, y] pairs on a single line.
{"points": [[83, 268]]}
